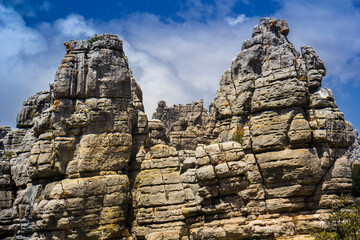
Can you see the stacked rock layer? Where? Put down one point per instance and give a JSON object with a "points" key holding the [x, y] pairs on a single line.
{"points": [[267, 160]]}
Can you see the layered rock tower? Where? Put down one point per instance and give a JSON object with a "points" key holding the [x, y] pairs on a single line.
{"points": [[71, 173], [267, 160]]}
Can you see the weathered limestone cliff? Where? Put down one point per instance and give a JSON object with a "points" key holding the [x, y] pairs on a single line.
{"points": [[267, 160]]}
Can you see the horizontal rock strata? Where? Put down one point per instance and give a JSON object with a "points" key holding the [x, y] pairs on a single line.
{"points": [[267, 160]]}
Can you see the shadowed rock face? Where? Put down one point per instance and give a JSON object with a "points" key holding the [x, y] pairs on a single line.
{"points": [[86, 163]]}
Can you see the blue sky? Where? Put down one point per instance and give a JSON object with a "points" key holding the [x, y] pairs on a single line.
{"points": [[176, 49]]}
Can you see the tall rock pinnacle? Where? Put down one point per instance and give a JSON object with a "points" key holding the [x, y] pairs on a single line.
{"points": [[294, 137], [74, 178]]}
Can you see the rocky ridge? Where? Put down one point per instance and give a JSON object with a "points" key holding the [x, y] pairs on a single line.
{"points": [[267, 160]]}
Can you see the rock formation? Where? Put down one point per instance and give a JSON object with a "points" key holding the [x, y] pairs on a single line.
{"points": [[187, 125], [267, 160]]}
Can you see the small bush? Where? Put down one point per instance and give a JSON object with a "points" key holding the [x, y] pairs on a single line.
{"points": [[247, 179], [343, 222], [9, 155], [238, 135], [95, 38]]}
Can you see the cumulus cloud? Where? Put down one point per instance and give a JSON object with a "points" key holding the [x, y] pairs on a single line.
{"points": [[15, 37], [156, 77], [19, 45]]}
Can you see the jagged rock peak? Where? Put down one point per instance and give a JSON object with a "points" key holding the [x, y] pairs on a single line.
{"points": [[269, 73], [80, 137], [108, 41], [94, 68], [270, 24]]}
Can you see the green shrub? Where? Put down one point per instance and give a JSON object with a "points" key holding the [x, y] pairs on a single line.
{"points": [[343, 222], [95, 38], [355, 172]]}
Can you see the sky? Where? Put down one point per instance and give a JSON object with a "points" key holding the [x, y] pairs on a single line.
{"points": [[177, 50]]}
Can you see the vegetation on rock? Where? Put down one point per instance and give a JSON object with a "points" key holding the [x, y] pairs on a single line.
{"points": [[96, 38], [238, 135], [343, 222]]}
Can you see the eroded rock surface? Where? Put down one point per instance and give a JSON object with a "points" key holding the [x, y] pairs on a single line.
{"points": [[267, 160]]}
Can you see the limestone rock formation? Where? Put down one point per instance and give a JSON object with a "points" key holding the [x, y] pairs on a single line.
{"points": [[267, 160]]}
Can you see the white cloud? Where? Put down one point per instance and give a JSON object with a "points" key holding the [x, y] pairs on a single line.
{"points": [[156, 78], [15, 37], [239, 19], [21, 48]]}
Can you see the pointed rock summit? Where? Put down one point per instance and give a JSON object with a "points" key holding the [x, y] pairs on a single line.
{"points": [[268, 159]]}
